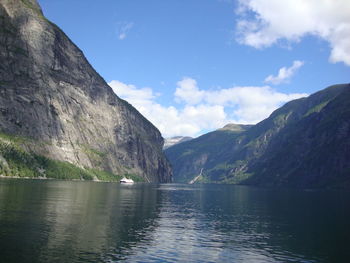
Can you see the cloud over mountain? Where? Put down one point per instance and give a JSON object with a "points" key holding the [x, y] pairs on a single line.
{"points": [[284, 74], [197, 110]]}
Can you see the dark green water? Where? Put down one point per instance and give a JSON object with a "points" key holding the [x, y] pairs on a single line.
{"points": [[59, 221]]}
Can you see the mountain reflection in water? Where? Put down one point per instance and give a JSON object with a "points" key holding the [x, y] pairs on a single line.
{"points": [[60, 221]]}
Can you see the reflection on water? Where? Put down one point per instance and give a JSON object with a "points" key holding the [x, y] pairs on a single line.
{"points": [[58, 221], [48, 221]]}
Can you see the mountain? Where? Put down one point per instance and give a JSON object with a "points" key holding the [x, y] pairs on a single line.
{"points": [[303, 144], [205, 152], [58, 114], [175, 140]]}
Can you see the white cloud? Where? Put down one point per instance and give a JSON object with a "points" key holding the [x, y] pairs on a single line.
{"points": [[266, 22], [203, 109], [254, 104], [139, 96], [244, 104], [123, 29], [284, 74], [189, 120], [187, 91]]}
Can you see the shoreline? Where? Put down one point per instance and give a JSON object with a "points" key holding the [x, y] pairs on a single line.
{"points": [[46, 178]]}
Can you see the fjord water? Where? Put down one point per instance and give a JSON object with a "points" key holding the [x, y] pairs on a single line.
{"points": [[61, 221]]}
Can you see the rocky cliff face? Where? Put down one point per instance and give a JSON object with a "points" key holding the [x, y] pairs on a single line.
{"points": [[51, 94], [305, 143]]}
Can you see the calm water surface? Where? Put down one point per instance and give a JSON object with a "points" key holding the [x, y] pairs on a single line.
{"points": [[60, 221]]}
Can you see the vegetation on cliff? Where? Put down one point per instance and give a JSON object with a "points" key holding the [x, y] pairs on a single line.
{"points": [[50, 93], [16, 160]]}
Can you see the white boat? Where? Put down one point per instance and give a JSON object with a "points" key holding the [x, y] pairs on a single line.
{"points": [[126, 181]]}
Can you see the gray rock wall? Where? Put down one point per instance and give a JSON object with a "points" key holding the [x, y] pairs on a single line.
{"points": [[49, 92]]}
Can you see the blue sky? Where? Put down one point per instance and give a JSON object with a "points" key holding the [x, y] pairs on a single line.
{"points": [[191, 66]]}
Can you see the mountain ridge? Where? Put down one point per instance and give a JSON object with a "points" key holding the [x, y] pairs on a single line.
{"points": [[259, 155], [51, 93]]}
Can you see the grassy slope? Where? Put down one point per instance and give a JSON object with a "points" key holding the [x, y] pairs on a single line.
{"points": [[15, 160], [207, 151], [277, 150], [313, 153]]}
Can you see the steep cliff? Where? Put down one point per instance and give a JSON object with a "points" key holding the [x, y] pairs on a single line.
{"points": [[51, 95], [305, 143]]}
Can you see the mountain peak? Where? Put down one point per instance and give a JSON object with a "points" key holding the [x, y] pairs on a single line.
{"points": [[19, 8], [175, 140]]}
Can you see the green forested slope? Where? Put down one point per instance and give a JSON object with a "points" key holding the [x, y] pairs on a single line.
{"points": [[305, 143]]}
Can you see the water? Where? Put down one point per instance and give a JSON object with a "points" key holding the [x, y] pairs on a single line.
{"points": [[59, 221]]}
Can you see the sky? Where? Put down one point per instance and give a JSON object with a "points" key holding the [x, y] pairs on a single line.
{"points": [[192, 66]]}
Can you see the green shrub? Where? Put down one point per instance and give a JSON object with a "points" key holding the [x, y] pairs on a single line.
{"points": [[21, 163]]}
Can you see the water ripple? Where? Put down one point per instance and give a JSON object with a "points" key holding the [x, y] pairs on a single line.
{"points": [[87, 222]]}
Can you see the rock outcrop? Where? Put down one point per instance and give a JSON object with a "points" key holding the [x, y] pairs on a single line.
{"points": [[52, 95], [175, 140]]}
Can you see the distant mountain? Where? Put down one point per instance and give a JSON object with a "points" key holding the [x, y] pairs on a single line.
{"points": [[189, 158], [168, 142], [58, 117], [305, 143]]}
